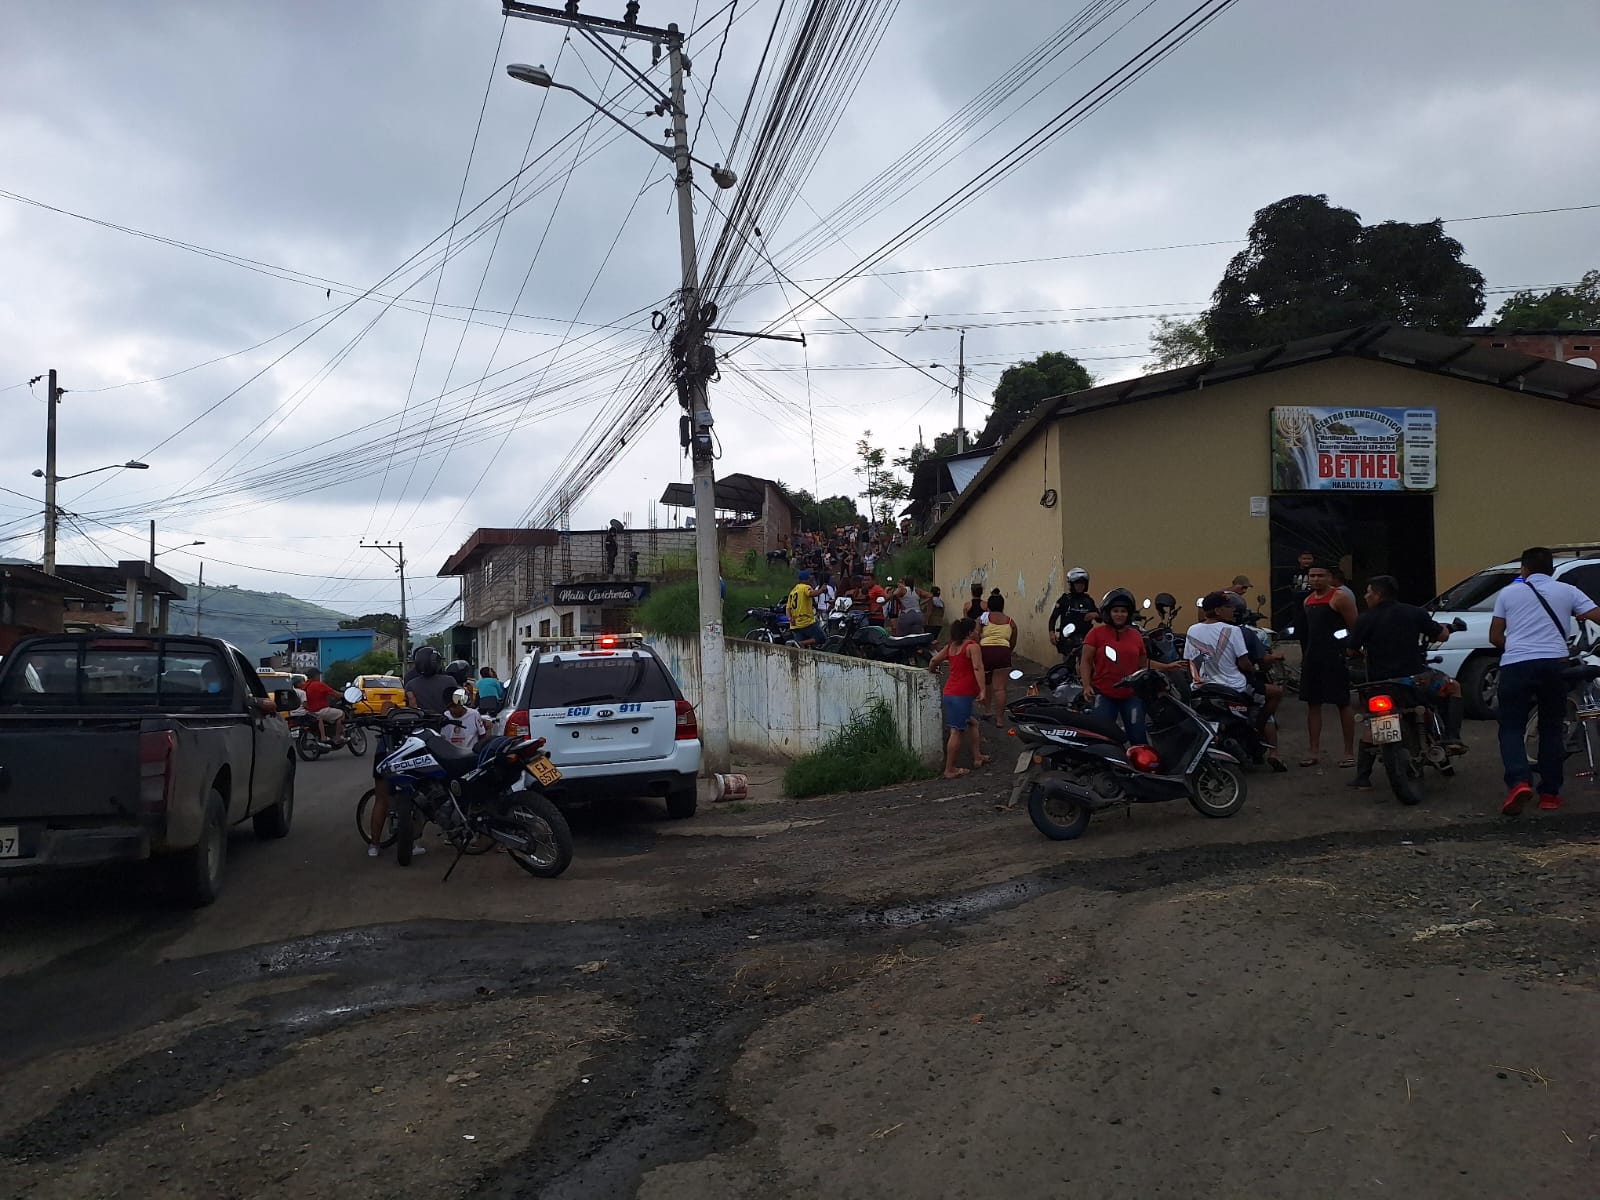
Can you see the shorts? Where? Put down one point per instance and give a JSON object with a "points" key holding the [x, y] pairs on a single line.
{"points": [[958, 712], [1324, 681], [1429, 683], [911, 622], [996, 658], [807, 633], [328, 715]]}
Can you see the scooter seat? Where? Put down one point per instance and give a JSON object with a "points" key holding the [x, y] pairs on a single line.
{"points": [[1228, 695]]}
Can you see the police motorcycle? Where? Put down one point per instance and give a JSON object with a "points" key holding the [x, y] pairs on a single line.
{"points": [[1074, 764], [483, 799]]}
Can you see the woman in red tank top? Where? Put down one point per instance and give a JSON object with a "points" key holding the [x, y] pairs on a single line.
{"points": [[962, 690]]}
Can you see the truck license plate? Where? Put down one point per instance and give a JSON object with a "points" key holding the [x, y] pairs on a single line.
{"points": [[1386, 729], [544, 771], [1024, 761], [10, 842]]}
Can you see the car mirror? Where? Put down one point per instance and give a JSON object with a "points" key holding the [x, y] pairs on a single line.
{"points": [[1260, 598], [354, 694], [1147, 602], [1458, 626]]}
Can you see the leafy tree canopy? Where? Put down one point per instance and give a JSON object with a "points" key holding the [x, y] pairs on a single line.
{"points": [[1559, 308], [385, 623], [1023, 386], [1181, 343], [823, 515], [1311, 267]]}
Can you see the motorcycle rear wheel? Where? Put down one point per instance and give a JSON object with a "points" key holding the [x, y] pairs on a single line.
{"points": [[1220, 789], [762, 635], [306, 745], [1060, 819], [1404, 780], [355, 740], [544, 832]]}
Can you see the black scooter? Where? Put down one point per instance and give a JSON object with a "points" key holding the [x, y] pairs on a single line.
{"points": [[858, 638], [1076, 764]]}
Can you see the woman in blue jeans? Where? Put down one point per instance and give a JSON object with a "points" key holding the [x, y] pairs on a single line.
{"points": [[1112, 651]]}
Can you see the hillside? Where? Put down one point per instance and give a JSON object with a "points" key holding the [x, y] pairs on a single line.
{"points": [[245, 618]]}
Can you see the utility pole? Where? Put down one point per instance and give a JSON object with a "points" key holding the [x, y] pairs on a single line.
{"points": [[152, 544], [199, 598], [398, 558], [961, 395], [695, 359], [50, 512]]}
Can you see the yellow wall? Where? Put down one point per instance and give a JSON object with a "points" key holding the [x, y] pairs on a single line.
{"points": [[1157, 493]]}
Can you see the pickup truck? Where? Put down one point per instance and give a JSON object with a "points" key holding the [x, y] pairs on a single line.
{"points": [[118, 747]]}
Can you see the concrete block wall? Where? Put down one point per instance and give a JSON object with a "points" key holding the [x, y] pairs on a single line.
{"points": [[785, 702]]}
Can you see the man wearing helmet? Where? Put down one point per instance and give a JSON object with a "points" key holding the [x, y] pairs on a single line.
{"points": [[1075, 607], [429, 688]]}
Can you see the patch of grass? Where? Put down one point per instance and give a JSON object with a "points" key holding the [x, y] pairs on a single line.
{"points": [[865, 754], [915, 559], [673, 609]]}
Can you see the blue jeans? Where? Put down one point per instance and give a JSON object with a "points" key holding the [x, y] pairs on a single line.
{"points": [[1130, 711], [1522, 686]]}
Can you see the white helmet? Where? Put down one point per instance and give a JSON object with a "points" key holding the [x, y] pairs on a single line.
{"points": [[1077, 575]]}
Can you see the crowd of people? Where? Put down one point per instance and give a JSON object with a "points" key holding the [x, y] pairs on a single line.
{"points": [[1106, 640]]}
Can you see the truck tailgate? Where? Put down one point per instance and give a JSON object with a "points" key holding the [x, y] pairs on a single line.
{"points": [[49, 772]]}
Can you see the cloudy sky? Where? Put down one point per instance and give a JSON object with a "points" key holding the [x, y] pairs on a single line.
{"points": [[310, 157]]}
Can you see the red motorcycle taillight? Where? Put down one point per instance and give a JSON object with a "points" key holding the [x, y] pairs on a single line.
{"points": [[1144, 758], [1380, 704]]}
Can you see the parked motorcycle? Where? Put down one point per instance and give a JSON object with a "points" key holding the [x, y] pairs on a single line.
{"points": [[858, 638], [773, 624], [309, 743], [480, 799], [1235, 716], [1404, 730], [1075, 764]]}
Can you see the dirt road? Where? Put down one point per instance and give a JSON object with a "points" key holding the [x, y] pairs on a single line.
{"points": [[903, 993]]}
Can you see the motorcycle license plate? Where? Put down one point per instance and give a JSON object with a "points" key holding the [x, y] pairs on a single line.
{"points": [[1024, 761], [1386, 729], [544, 771]]}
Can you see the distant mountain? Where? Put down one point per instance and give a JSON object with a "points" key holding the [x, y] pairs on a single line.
{"points": [[246, 618]]}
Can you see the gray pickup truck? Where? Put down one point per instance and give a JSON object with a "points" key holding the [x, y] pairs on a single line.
{"points": [[117, 747]]}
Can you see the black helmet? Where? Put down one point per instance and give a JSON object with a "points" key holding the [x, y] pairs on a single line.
{"points": [[1120, 596], [426, 660], [460, 670]]}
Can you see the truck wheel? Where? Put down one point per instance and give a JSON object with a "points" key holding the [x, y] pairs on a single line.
{"points": [[1480, 687], [682, 802], [197, 871], [274, 822]]}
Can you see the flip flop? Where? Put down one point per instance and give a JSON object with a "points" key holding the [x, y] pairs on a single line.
{"points": [[1346, 763], [1310, 762]]}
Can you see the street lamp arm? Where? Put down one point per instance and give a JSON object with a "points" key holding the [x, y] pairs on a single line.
{"points": [[127, 466], [664, 151]]}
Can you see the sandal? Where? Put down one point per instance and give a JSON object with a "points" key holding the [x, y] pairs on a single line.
{"points": [[1346, 763], [1310, 762]]}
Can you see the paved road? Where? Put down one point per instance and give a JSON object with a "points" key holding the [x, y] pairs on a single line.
{"points": [[899, 993]]}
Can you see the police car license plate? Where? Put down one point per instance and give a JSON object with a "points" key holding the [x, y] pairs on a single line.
{"points": [[544, 771], [1386, 729], [10, 841], [1024, 761]]}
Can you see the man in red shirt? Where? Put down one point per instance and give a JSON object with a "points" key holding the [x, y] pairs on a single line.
{"points": [[1113, 650], [321, 702], [877, 602]]}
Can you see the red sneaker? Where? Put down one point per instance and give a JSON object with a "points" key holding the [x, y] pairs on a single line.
{"points": [[1515, 799], [1549, 803]]}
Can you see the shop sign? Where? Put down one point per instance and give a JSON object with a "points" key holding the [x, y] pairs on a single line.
{"points": [[624, 592], [1354, 449]]}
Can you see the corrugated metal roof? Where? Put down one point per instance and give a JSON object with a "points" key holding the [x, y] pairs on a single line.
{"points": [[964, 470], [1441, 354]]}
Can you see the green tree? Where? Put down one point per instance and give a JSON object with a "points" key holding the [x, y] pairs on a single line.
{"points": [[945, 444], [373, 662], [1023, 386], [826, 514], [1311, 267], [1181, 343], [886, 491], [1558, 308], [384, 623]]}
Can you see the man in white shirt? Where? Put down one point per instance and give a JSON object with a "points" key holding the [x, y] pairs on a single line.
{"points": [[1532, 617], [466, 726], [1215, 647]]}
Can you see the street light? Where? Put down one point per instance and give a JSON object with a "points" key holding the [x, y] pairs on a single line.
{"points": [[52, 513], [696, 425], [539, 77], [170, 549], [130, 465]]}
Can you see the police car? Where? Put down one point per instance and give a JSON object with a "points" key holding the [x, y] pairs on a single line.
{"points": [[613, 718]]}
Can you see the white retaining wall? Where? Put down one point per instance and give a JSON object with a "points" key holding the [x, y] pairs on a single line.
{"points": [[786, 702]]}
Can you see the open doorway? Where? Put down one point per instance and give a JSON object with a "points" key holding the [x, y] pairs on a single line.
{"points": [[1365, 533]]}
